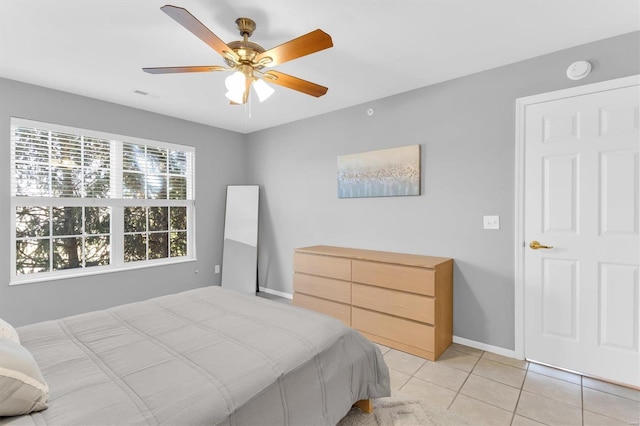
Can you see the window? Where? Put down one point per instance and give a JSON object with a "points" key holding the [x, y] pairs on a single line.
{"points": [[88, 202]]}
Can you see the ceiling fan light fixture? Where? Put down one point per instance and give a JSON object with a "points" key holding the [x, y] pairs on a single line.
{"points": [[263, 90], [235, 84], [235, 97]]}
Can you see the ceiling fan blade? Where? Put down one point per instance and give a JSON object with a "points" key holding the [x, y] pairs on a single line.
{"points": [[312, 42], [169, 70], [295, 83], [190, 22]]}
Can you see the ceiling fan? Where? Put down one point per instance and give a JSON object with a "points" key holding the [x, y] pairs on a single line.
{"points": [[248, 59]]}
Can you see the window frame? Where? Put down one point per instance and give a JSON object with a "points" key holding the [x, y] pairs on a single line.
{"points": [[116, 203]]}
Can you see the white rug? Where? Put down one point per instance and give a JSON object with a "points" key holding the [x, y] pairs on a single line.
{"points": [[401, 412]]}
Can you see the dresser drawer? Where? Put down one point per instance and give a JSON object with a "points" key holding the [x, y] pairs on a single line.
{"points": [[326, 266], [393, 302], [398, 277], [327, 288], [397, 329], [327, 307]]}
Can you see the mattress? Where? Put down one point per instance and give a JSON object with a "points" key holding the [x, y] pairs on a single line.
{"points": [[204, 356]]}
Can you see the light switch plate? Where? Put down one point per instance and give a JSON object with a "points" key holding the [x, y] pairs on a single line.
{"points": [[491, 222]]}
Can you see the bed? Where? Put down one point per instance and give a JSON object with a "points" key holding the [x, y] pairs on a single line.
{"points": [[204, 356]]}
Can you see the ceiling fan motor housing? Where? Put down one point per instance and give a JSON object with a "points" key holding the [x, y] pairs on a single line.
{"points": [[246, 50], [246, 26]]}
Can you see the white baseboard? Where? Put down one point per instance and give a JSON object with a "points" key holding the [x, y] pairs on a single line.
{"points": [[483, 346], [276, 292]]}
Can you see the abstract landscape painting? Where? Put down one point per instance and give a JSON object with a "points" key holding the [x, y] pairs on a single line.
{"points": [[385, 173]]}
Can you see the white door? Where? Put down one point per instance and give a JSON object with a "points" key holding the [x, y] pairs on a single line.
{"points": [[581, 183]]}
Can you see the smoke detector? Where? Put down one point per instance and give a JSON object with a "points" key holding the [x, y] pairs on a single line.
{"points": [[579, 70]]}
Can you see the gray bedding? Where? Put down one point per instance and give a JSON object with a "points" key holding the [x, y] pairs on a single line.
{"points": [[205, 356]]}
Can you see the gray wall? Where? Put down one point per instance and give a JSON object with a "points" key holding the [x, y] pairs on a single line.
{"points": [[220, 160], [466, 128]]}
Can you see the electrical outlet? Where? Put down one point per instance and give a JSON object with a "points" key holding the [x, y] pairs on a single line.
{"points": [[217, 269], [491, 222]]}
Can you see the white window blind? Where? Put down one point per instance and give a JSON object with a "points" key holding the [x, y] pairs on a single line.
{"points": [[91, 202]]}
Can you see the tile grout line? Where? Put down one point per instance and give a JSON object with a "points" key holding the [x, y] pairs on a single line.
{"points": [[492, 405], [515, 409], [506, 365], [609, 392], [465, 380], [527, 369], [487, 378], [582, 389], [428, 381], [414, 373]]}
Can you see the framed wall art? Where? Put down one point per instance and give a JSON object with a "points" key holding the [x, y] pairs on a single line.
{"points": [[389, 172]]}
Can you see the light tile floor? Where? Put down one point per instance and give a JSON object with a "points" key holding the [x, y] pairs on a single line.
{"points": [[490, 389]]}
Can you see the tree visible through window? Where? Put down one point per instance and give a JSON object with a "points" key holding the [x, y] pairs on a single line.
{"points": [[52, 238], [85, 200]]}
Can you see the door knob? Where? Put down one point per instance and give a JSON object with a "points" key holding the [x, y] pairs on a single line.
{"points": [[536, 245]]}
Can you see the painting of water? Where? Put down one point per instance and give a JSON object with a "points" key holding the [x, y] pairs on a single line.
{"points": [[385, 173]]}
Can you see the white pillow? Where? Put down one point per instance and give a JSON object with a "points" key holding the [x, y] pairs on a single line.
{"points": [[8, 332], [22, 387]]}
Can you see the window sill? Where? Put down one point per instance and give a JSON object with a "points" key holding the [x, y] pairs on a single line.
{"points": [[65, 275]]}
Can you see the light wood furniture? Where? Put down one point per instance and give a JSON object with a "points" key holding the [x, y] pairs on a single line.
{"points": [[403, 301], [365, 405]]}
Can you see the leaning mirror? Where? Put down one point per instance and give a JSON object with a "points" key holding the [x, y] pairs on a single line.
{"points": [[240, 247]]}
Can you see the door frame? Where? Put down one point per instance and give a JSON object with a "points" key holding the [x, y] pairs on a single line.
{"points": [[519, 242]]}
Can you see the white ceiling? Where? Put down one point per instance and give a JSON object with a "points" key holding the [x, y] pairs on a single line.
{"points": [[97, 48]]}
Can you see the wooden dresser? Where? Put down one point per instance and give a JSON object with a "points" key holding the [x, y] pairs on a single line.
{"points": [[403, 301]]}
